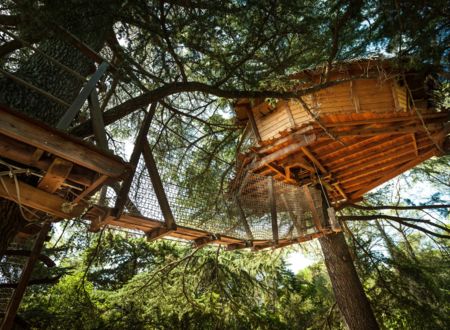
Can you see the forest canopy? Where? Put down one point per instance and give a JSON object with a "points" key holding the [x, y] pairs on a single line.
{"points": [[191, 60]]}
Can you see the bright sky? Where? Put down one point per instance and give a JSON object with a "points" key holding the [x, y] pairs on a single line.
{"points": [[298, 260]]}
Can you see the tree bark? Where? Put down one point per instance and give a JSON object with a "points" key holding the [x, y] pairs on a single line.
{"points": [[348, 290]]}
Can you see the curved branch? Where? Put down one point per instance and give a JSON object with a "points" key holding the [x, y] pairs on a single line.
{"points": [[395, 207], [403, 221], [124, 109], [47, 280], [9, 20], [9, 47], [26, 253]]}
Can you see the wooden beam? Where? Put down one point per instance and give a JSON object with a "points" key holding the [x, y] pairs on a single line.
{"points": [[96, 185], [289, 115], [157, 233], [38, 199], [297, 161], [37, 154], [312, 236], [56, 175], [393, 119], [393, 173], [414, 142], [296, 221], [251, 118], [243, 218], [273, 208], [24, 154], [280, 170], [385, 130], [205, 240], [395, 96], [354, 97], [340, 190], [373, 158], [284, 152], [169, 219], [98, 125], [122, 196], [314, 160], [75, 107], [24, 129], [19, 291], [370, 151], [312, 207], [375, 166], [338, 150], [240, 245]]}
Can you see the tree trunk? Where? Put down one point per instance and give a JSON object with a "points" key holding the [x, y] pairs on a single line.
{"points": [[89, 20], [347, 287]]}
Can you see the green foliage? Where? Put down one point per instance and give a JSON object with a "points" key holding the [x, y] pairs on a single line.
{"points": [[175, 286]]}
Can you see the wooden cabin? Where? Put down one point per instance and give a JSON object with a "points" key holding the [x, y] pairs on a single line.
{"points": [[370, 124]]}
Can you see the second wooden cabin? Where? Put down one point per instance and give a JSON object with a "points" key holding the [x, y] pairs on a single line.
{"points": [[369, 124], [379, 88]]}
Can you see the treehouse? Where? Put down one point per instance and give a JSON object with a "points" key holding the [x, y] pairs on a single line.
{"points": [[49, 172], [367, 125]]}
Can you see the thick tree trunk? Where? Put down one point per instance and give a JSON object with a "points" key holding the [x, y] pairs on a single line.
{"points": [[347, 287], [89, 20]]}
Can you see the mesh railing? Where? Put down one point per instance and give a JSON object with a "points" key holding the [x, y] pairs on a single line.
{"points": [[242, 211]]}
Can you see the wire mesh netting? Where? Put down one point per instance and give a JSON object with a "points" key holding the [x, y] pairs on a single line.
{"points": [[243, 210], [192, 150]]}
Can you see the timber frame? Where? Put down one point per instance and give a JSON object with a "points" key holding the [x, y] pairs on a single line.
{"points": [[350, 137], [371, 149], [50, 171]]}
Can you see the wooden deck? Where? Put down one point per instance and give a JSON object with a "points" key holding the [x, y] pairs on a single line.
{"points": [[48, 170], [155, 229], [351, 153]]}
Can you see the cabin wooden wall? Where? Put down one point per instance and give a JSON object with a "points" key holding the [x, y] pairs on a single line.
{"points": [[363, 95]]}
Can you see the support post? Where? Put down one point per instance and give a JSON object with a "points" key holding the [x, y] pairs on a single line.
{"points": [[273, 209], [75, 107], [13, 306], [98, 124], [122, 196], [252, 120], [248, 231], [295, 220], [312, 207], [157, 185]]}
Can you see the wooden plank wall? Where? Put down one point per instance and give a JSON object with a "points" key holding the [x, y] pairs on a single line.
{"points": [[364, 95]]}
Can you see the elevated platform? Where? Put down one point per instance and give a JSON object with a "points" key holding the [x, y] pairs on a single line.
{"points": [[352, 153], [155, 229], [371, 121], [50, 171]]}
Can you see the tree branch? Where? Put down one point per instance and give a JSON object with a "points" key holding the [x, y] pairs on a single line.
{"points": [[402, 220], [26, 253], [47, 280], [394, 207], [122, 110], [9, 20], [9, 47]]}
